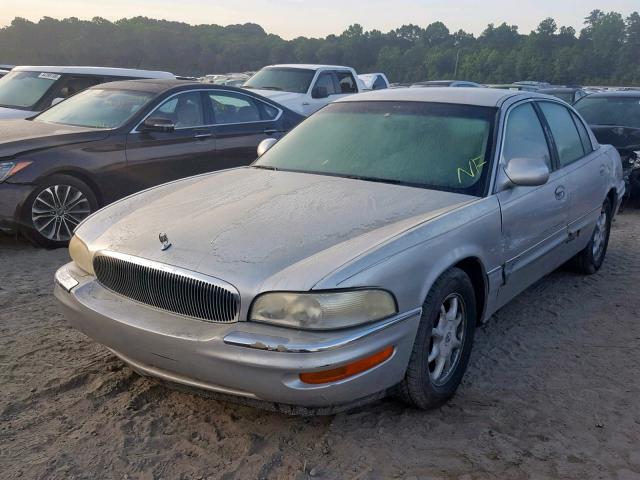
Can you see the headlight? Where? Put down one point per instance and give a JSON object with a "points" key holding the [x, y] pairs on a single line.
{"points": [[8, 169], [323, 311], [80, 254]]}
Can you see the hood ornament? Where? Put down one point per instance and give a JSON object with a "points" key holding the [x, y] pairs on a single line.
{"points": [[164, 240]]}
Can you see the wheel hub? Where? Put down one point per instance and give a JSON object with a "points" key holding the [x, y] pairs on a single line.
{"points": [[57, 210], [447, 339]]}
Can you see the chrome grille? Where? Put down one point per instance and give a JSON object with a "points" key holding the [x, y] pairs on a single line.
{"points": [[168, 288]]}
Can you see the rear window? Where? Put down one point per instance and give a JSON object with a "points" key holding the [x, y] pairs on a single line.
{"points": [[618, 111]]}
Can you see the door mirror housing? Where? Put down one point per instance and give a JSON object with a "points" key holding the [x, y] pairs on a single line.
{"points": [[319, 92], [265, 145], [527, 172], [157, 125]]}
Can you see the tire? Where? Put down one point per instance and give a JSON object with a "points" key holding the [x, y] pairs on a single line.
{"points": [[421, 386], [54, 208], [590, 259]]}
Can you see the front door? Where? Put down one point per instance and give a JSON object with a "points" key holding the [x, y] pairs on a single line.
{"points": [[534, 219], [158, 157]]}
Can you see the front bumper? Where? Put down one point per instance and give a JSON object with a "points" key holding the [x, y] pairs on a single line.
{"points": [[12, 197], [245, 359]]}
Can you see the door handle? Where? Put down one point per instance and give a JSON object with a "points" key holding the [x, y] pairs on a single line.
{"points": [[202, 135], [270, 131], [560, 193]]}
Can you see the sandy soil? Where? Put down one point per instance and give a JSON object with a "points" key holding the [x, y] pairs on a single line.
{"points": [[553, 391]]}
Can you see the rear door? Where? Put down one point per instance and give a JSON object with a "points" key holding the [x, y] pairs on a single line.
{"points": [[241, 122], [534, 219], [158, 157], [586, 168]]}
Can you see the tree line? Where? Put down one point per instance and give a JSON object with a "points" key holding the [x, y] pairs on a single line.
{"points": [[606, 51]]}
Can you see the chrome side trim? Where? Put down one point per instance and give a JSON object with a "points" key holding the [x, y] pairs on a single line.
{"points": [[283, 345]]}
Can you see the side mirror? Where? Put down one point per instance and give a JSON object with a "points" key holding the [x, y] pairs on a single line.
{"points": [[56, 101], [527, 172], [158, 125], [265, 145], [319, 92]]}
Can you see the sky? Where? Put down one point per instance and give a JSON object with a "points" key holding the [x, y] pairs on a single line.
{"points": [[318, 18]]}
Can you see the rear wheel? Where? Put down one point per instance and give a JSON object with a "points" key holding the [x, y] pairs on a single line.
{"points": [[443, 343], [55, 208], [589, 260]]}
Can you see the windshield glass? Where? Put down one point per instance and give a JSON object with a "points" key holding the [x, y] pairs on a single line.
{"points": [[24, 89], [295, 80], [429, 145], [97, 108], [619, 111]]}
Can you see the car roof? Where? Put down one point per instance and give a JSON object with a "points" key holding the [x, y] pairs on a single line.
{"points": [[559, 89], [307, 66], [108, 71], [156, 85], [484, 97], [623, 93]]}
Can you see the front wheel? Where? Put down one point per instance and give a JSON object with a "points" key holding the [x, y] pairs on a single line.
{"points": [[589, 260], [55, 208], [443, 343]]}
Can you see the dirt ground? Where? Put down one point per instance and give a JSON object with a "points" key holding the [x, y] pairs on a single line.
{"points": [[552, 391]]}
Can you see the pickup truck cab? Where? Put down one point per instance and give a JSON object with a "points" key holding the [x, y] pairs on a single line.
{"points": [[305, 88]]}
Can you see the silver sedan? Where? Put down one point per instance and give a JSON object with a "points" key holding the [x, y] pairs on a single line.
{"points": [[356, 256]]}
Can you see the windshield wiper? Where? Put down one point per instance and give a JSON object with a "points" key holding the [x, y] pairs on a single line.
{"points": [[269, 88], [265, 167], [381, 180]]}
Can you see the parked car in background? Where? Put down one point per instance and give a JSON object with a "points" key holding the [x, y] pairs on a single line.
{"points": [[374, 81], [25, 91], [3, 72], [445, 83], [614, 118], [532, 86], [356, 255], [305, 88], [118, 138], [231, 79], [569, 94]]}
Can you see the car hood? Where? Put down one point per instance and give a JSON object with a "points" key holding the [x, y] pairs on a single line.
{"points": [[21, 136], [288, 99], [14, 113], [263, 230], [624, 139]]}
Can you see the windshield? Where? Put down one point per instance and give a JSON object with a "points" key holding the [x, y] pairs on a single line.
{"points": [[295, 80], [429, 145], [23, 90], [97, 108], [619, 111]]}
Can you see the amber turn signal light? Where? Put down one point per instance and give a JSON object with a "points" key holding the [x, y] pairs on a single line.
{"points": [[348, 370]]}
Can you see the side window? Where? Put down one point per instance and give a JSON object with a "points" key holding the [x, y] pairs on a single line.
{"points": [[379, 84], [74, 85], [347, 82], [270, 113], [233, 108], [524, 136], [584, 135], [326, 80], [564, 132], [184, 110]]}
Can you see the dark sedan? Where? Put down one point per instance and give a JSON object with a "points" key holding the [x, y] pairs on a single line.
{"points": [[569, 94], [118, 138], [614, 118]]}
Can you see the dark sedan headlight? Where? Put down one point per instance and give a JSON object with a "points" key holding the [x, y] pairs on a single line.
{"points": [[7, 169], [323, 310]]}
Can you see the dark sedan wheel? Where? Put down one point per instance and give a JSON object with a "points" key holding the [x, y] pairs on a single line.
{"points": [[55, 208], [443, 343], [589, 260]]}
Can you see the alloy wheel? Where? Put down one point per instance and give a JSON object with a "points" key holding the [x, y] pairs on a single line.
{"points": [[600, 235], [57, 210], [447, 339]]}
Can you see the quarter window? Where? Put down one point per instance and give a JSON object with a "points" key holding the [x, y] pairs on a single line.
{"points": [[184, 110], [232, 108], [524, 136], [584, 135], [564, 132]]}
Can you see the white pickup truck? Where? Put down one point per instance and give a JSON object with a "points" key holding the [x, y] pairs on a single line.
{"points": [[305, 88]]}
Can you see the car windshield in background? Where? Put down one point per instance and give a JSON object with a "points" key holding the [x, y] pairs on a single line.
{"points": [[429, 145], [295, 80], [614, 110], [23, 90], [97, 108]]}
